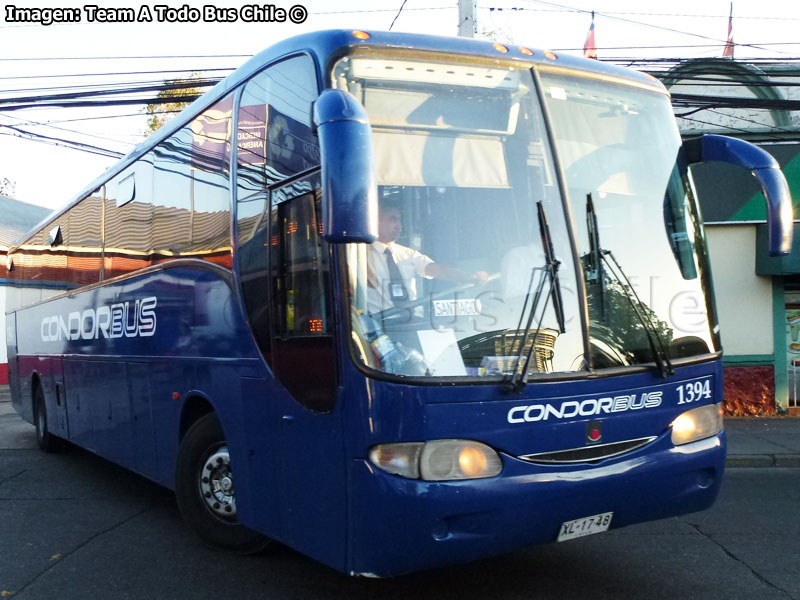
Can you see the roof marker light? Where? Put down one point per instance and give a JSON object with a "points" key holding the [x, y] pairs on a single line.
{"points": [[550, 55], [526, 51], [361, 35], [500, 48]]}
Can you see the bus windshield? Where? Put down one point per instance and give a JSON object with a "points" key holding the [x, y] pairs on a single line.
{"points": [[473, 273], [642, 249]]}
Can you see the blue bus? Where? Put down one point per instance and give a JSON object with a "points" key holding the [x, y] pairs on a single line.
{"points": [[536, 359]]}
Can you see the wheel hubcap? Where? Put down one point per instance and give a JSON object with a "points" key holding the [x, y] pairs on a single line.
{"points": [[216, 484]]}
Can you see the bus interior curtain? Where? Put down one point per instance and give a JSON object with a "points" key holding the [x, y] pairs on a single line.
{"points": [[420, 159]]}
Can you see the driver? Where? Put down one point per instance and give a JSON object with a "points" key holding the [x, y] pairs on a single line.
{"points": [[392, 267]]}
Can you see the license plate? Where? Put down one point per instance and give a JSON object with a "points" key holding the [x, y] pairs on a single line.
{"points": [[585, 526]]}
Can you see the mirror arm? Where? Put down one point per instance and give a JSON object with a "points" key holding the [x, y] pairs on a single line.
{"points": [[764, 167]]}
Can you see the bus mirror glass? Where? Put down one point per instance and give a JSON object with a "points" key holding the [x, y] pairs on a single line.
{"points": [[349, 183], [720, 148]]}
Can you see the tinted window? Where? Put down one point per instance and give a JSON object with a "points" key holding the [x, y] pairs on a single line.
{"points": [[274, 137], [191, 214], [301, 269], [39, 260], [274, 141], [84, 260], [172, 183], [129, 219], [303, 344], [209, 184]]}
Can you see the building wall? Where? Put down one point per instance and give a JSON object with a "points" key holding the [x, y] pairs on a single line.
{"points": [[744, 300], [15, 218], [745, 305]]}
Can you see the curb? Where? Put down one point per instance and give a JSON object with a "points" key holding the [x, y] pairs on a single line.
{"points": [[763, 460]]}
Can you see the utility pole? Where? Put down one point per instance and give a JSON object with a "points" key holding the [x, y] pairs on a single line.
{"points": [[467, 18]]}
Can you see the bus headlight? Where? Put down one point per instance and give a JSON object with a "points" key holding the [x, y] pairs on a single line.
{"points": [[697, 424], [438, 460], [398, 459]]}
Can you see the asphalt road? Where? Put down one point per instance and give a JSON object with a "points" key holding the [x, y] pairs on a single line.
{"points": [[76, 526]]}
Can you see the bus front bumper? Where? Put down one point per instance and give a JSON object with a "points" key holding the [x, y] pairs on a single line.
{"points": [[400, 525]]}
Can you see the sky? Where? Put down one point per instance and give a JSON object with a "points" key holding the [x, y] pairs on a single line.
{"points": [[36, 59]]}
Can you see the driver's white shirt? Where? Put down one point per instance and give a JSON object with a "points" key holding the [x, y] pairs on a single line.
{"points": [[410, 262]]}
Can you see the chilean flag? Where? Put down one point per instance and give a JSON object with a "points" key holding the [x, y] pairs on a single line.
{"points": [[589, 46], [728, 52]]}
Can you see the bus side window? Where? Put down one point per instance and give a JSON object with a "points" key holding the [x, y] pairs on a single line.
{"points": [[304, 356], [273, 143], [128, 220], [85, 242], [210, 184]]}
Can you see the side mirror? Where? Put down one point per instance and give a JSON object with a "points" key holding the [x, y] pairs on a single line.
{"points": [[765, 169], [349, 182]]}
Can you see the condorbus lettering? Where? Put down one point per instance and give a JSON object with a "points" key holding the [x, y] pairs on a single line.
{"points": [[103, 314], [591, 407], [129, 319]]}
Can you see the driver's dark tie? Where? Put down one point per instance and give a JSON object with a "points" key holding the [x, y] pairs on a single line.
{"points": [[397, 289]]}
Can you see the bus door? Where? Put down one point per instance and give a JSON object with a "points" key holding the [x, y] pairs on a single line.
{"points": [[58, 422], [304, 361]]}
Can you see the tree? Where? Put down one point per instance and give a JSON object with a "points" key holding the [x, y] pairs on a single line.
{"points": [[162, 113]]}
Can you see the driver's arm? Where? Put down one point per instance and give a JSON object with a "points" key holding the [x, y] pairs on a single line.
{"points": [[447, 273]]}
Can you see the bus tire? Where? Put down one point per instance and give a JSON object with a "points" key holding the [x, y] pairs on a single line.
{"points": [[47, 441], [205, 492]]}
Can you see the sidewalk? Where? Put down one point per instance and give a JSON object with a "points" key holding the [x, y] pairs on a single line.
{"points": [[763, 442], [752, 442]]}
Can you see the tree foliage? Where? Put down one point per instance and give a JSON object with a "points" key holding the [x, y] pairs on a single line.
{"points": [[162, 113], [7, 187]]}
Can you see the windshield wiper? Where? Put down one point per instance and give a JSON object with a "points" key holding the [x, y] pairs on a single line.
{"points": [[519, 378], [594, 266], [660, 353], [552, 264]]}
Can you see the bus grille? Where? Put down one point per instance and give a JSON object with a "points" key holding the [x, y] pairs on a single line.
{"points": [[587, 454]]}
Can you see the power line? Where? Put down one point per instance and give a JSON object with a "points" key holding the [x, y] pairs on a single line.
{"points": [[378, 10], [697, 100], [101, 103], [55, 99], [65, 76], [625, 20], [123, 116], [672, 46], [740, 118], [121, 86], [154, 57], [706, 81], [27, 122], [635, 14], [59, 141], [398, 14], [736, 129]]}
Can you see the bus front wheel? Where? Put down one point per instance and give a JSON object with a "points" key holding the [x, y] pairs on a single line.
{"points": [[46, 440], [204, 488]]}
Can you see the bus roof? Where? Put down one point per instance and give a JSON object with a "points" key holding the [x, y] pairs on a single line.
{"points": [[322, 45]]}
